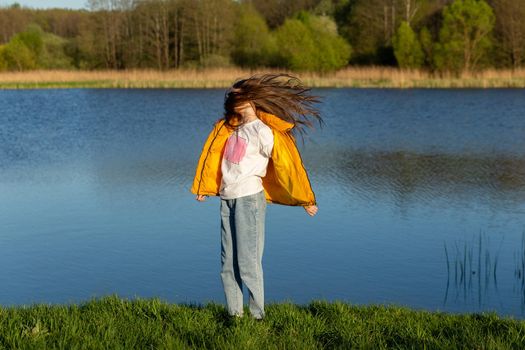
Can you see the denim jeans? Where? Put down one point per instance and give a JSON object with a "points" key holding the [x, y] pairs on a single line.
{"points": [[242, 243]]}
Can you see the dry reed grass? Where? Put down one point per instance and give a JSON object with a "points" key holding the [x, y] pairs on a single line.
{"points": [[383, 77]]}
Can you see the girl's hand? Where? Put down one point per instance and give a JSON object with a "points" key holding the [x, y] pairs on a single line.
{"points": [[310, 209], [200, 198]]}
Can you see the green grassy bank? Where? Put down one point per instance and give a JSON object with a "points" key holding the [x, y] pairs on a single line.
{"points": [[116, 323]]}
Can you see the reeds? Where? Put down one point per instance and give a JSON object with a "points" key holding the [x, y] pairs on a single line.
{"points": [[376, 76], [474, 267], [519, 271]]}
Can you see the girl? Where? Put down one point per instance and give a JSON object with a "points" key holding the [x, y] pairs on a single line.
{"points": [[250, 158]]}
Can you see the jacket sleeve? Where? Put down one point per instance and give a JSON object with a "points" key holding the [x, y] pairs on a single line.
{"points": [[286, 180], [207, 174]]}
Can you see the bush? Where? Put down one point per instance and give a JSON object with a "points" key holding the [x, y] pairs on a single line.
{"points": [[53, 54], [33, 48], [18, 56], [23, 50], [311, 43]]}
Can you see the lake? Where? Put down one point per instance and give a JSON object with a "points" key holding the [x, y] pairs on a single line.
{"points": [[421, 198]]}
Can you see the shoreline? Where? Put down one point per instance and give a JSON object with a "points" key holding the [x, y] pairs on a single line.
{"points": [[352, 77], [115, 322]]}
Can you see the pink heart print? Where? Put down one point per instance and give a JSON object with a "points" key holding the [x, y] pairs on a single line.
{"points": [[235, 148]]}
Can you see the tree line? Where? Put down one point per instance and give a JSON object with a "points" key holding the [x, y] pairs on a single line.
{"points": [[312, 35]]}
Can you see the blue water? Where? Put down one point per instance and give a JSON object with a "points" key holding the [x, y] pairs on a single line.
{"points": [[94, 200]]}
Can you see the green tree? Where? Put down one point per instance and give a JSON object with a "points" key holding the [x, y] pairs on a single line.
{"points": [[32, 38], [333, 52], [24, 49], [296, 44], [53, 54], [33, 48], [254, 44], [3, 62], [18, 56], [407, 48], [309, 42], [365, 25], [427, 45], [464, 38]]}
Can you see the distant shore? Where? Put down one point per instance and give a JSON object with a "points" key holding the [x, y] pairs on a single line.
{"points": [[112, 322], [355, 77]]}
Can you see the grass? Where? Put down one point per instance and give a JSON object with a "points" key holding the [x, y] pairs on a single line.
{"points": [[362, 77], [112, 322]]}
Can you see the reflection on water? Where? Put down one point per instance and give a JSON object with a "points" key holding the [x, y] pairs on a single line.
{"points": [[410, 176], [421, 199]]}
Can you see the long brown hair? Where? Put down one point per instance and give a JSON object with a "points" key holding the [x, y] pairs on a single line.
{"points": [[282, 95]]}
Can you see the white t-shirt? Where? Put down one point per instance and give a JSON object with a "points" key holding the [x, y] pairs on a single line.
{"points": [[245, 159]]}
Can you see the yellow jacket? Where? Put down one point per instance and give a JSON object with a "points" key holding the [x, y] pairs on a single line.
{"points": [[286, 181]]}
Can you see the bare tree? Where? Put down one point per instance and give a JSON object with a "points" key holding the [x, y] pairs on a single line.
{"points": [[211, 23], [154, 19], [410, 9], [276, 11], [12, 21], [179, 20], [107, 17], [510, 29]]}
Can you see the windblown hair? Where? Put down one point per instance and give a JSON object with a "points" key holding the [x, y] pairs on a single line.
{"points": [[282, 95]]}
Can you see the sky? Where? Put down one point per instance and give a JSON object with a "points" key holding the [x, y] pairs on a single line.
{"points": [[72, 4]]}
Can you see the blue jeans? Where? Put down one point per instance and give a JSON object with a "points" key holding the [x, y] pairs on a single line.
{"points": [[242, 243]]}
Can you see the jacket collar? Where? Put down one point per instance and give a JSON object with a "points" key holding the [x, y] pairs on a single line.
{"points": [[275, 122], [271, 120]]}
